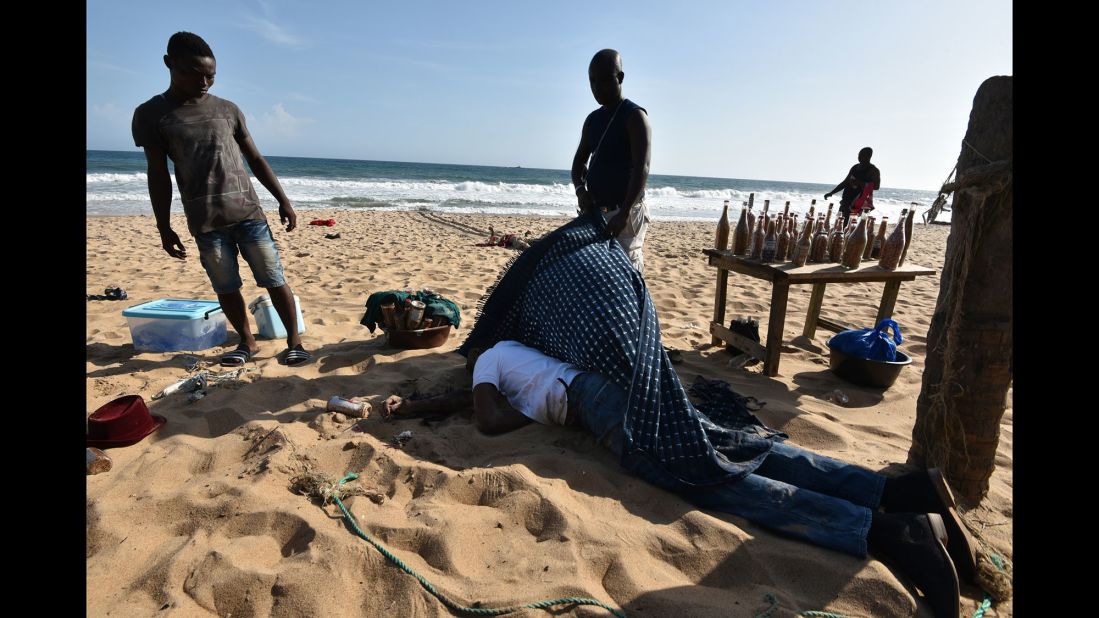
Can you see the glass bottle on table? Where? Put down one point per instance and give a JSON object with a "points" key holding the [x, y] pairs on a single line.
{"points": [[828, 219], [835, 250], [757, 240], [770, 243], [908, 224], [805, 241], [740, 235], [879, 238], [869, 237], [893, 247], [722, 239], [783, 247], [820, 243], [852, 253]]}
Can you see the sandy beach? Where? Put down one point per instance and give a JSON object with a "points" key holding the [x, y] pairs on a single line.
{"points": [[199, 519]]}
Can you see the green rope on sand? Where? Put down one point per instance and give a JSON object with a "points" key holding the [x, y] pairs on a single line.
{"points": [[476, 611], [987, 603], [770, 598]]}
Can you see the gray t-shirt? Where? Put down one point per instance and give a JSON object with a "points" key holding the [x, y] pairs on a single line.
{"points": [[202, 139]]}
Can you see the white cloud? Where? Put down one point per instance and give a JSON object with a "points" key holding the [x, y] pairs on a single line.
{"points": [[272, 31], [279, 122]]}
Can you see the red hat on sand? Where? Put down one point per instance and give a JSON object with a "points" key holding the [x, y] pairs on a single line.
{"points": [[122, 422]]}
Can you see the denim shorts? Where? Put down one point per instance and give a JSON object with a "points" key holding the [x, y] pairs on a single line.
{"points": [[252, 238]]}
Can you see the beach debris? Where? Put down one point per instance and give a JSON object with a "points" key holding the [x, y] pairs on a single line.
{"points": [[187, 385], [839, 397], [402, 438], [348, 407], [320, 486], [110, 294], [97, 461], [195, 396], [332, 236]]}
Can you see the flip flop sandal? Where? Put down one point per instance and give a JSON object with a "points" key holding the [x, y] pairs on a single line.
{"points": [[237, 358], [296, 357]]}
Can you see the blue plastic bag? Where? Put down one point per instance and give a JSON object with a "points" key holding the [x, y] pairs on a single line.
{"points": [[870, 343]]}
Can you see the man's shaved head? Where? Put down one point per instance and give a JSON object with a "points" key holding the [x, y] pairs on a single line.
{"points": [[606, 59], [605, 76]]}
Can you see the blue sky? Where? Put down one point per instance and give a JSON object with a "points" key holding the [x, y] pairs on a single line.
{"points": [[784, 90]]}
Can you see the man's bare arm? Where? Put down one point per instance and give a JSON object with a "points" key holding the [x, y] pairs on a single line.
{"points": [[267, 178], [640, 135], [580, 169], [491, 413], [160, 194]]}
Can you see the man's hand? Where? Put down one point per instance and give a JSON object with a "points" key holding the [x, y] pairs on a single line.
{"points": [[583, 200], [286, 213], [827, 195], [617, 223], [395, 404], [170, 241]]}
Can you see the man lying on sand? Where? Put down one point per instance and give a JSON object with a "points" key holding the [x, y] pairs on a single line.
{"points": [[793, 492], [591, 338]]}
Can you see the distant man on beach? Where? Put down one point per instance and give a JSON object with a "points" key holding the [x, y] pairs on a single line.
{"points": [[860, 174], [611, 165], [205, 136], [793, 492]]}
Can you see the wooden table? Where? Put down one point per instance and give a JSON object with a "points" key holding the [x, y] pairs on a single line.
{"points": [[782, 276]]}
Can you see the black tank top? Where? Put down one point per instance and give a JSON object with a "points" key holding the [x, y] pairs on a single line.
{"points": [[610, 164]]}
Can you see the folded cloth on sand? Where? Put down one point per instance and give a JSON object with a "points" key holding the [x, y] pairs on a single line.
{"points": [[575, 296], [324, 222], [435, 307]]}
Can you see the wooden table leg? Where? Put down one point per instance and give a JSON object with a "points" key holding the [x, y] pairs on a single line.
{"points": [[719, 302], [815, 301], [888, 301], [775, 323]]}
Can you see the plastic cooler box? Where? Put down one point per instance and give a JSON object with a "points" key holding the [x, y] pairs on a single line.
{"points": [[176, 324], [268, 323]]}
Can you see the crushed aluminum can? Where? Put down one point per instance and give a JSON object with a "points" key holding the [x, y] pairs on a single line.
{"points": [[402, 438]]}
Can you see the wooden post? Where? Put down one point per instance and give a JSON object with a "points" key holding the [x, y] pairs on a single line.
{"points": [[888, 301], [719, 301], [775, 324], [969, 362], [815, 301]]}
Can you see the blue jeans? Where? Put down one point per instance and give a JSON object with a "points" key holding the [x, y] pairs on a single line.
{"points": [[217, 250], [794, 492]]}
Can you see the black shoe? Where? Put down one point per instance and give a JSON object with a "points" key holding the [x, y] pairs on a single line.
{"points": [[926, 491], [916, 546]]}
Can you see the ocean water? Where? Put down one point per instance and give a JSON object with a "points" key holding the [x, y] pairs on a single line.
{"points": [[116, 185]]}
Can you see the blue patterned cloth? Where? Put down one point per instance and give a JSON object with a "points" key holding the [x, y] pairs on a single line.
{"points": [[574, 296]]}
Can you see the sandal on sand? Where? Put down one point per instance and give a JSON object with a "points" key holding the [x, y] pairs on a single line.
{"points": [[237, 357], [296, 357]]}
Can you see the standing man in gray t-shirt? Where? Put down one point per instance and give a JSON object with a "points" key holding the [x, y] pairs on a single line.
{"points": [[205, 137]]}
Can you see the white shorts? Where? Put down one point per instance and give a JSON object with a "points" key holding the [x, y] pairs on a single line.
{"points": [[632, 236]]}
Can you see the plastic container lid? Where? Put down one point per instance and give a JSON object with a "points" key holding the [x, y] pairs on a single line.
{"points": [[173, 309]]}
